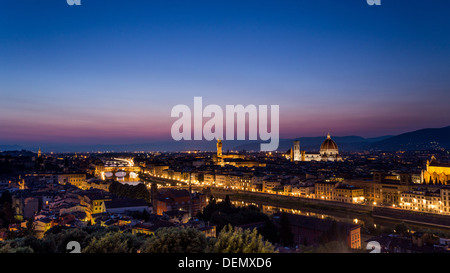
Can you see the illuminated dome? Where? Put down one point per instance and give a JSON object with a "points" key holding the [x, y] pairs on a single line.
{"points": [[329, 147]]}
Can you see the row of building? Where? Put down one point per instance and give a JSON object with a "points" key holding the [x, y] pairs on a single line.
{"points": [[396, 190], [61, 199]]}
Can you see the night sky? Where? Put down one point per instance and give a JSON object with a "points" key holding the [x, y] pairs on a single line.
{"points": [[111, 71]]}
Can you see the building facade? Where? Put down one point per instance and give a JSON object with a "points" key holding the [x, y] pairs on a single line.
{"points": [[349, 194], [421, 201], [437, 172]]}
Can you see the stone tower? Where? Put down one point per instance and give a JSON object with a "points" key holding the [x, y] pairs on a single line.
{"points": [[219, 148], [296, 150]]}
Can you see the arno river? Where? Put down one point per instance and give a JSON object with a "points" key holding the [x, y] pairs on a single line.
{"points": [[362, 219]]}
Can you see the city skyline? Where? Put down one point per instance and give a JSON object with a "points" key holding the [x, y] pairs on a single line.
{"points": [[201, 130], [111, 73]]}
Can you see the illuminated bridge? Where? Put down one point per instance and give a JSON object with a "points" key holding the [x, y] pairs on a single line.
{"points": [[119, 169]]}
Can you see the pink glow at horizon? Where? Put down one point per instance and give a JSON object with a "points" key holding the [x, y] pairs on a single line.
{"points": [[85, 128]]}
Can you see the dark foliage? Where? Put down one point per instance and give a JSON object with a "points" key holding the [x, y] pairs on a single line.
{"points": [[6, 211], [139, 191], [286, 235], [223, 213]]}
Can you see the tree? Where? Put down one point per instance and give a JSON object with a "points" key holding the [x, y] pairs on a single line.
{"points": [[286, 235], [270, 232], [212, 200], [38, 245], [27, 244], [114, 242], [6, 211], [176, 240], [208, 210], [6, 197], [113, 187], [21, 249], [227, 206], [329, 247], [401, 228], [139, 191], [236, 240], [57, 237], [141, 215], [224, 213], [30, 226]]}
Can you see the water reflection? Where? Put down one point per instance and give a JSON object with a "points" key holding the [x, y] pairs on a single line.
{"points": [[362, 220], [274, 209]]}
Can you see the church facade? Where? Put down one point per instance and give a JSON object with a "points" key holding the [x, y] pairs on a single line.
{"points": [[436, 172], [329, 151]]}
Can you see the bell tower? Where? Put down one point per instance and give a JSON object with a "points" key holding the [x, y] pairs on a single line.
{"points": [[219, 148], [297, 150]]}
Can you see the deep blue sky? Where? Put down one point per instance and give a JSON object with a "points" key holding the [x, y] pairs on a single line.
{"points": [[111, 71]]}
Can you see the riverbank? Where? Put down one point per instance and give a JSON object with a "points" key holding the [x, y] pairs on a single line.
{"points": [[293, 202], [346, 212], [438, 220]]}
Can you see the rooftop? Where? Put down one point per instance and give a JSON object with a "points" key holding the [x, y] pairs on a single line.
{"points": [[126, 202]]}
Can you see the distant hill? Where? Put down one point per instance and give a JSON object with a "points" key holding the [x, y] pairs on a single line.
{"points": [[17, 153], [161, 146], [424, 139], [11, 148], [312, 144]]}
